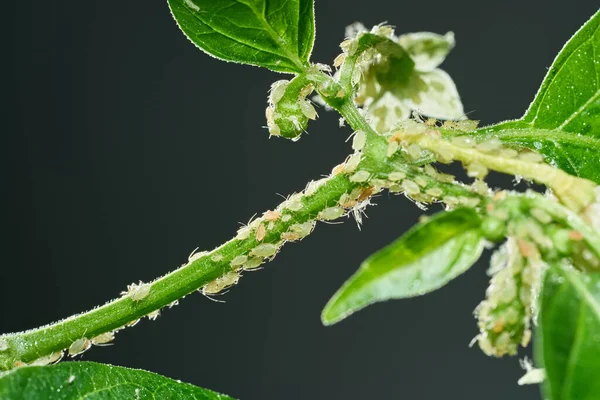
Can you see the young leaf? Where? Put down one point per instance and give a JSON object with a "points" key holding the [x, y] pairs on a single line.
{"points": [[422, 260], [568, 336], [563, 121], [89, 380], [276, 34]]}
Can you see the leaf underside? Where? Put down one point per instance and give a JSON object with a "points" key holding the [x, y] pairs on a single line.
{"points": [[427, 257], [93, 381], [275, 34]]}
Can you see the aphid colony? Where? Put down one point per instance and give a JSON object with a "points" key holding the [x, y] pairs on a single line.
{"points": [[479, 157], [289, 110], [517, 269]]}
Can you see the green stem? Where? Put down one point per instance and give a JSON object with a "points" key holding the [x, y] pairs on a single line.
{"points": [[31, 345]]}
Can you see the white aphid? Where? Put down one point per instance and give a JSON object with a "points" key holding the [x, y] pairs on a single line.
{"points": [[352, 163], [271, 215], [71, 379], [138, 291], [79, 346], [243, 233], [103, 338], [312, 186], [264, 250], [222, 283], [396, 176], [359, 140], [238, 261], [196, 255], [217, 257], [277, 91], [260, 233], [252, 263], [52, 358], [3, 345], [308, 110], [331, 213], [294, 203], [532, 375], [392, 148], [360, 176]]}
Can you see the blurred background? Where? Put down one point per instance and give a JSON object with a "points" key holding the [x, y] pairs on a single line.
{"points": [[127, 148]]}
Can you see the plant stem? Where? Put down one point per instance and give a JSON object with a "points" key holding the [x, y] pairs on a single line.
{"points": [[28, 346], [32, 345]]}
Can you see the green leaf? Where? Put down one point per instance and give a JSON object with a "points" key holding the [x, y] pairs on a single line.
{"points": [[563, 121], [568, 336], [424, 259], [79, 380], [275, 34]]}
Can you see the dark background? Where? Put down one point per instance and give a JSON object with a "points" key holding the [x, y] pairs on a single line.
{"points": [[127, 147]]}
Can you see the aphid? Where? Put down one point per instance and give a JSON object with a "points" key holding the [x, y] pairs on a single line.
{"points": [[431, 122], [103, 338], [79, 346], [277, 91], [449, 125], [508, 153], [337, 62], [410, 187], [153, 315], [480, 187], [352, 163], [392, 148], [466, 125], [286, 217], [216, 257], [435, 192], [312, 187], [252, 263], [243, 233], [294, 203], [302, 230], [331, 213], [222, 283], [359, 140], [3, 345], [138, 292], [421, 181], [490, 145], [71, 379], [239, 260], [360, 176], [396, 176], [271, 215], [273, 128], [308, 110], [264, 250], [261, 232], [429, 170], [365, 194], [463, 141], [52, 358], [414, 151], [196, 255], [532, 376], [476, 170], [340, 94]]}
